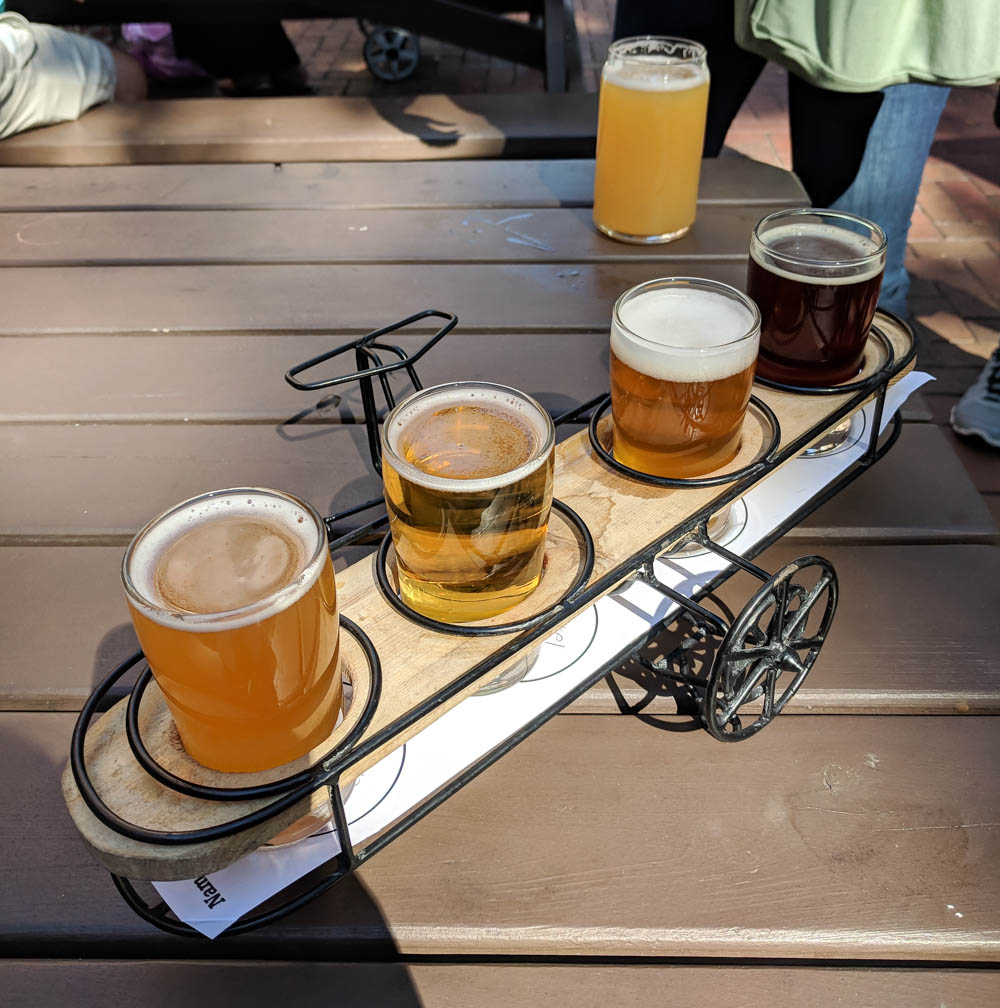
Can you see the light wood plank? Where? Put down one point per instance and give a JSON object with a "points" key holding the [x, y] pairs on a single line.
{"points": [[337, 298], [456, 184], [419, 127], [820, 838], [381, 236], [435, 985]]}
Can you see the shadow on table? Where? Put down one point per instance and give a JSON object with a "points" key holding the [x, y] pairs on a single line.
{"points": [[635, 687]]}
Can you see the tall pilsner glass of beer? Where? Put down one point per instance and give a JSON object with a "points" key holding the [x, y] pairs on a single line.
{"points": [[815, 275], [682, 363], [234, 603], [650, 133], [467, 471]]}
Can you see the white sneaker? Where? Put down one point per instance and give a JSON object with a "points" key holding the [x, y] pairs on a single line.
{"points": [[978, 411]]}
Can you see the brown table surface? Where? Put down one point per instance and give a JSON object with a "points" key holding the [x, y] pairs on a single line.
{"points": [[850, 852]]}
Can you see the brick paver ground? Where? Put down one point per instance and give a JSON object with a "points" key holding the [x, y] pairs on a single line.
{"points": [[954, 246]]}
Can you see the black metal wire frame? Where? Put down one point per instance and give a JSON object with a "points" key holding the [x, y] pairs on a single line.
{"points": [[694, 528], [370, 366]]}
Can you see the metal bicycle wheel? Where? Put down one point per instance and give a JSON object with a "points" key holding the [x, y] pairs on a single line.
{"points": [[390, 53], [770, 648]]}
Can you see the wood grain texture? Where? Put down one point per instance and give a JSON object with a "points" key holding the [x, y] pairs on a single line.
{"points": [[736, 181], [421, 127], [379, 236], [354, 298], [820, 838], [359, 985]]}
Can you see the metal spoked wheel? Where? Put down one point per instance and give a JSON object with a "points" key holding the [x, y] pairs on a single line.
{"points": [[770, 648], [390, 53]]}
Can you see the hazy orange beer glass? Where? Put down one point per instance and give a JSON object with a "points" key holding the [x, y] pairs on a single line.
{"points": [[234, 603], [650, 133], [683, 352]]}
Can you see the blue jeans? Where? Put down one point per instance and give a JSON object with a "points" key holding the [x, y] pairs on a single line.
{"points": [[885, 188]]}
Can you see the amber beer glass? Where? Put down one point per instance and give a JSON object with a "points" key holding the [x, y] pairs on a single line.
{"points": [[682, 363], [467, 471], [650, 133], [815, 275], [233, 600]]}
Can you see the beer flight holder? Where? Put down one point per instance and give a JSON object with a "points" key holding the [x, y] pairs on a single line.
{"points": [[147, 811]]}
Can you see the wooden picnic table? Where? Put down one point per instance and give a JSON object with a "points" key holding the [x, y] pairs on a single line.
{"points": [[149, 314]]}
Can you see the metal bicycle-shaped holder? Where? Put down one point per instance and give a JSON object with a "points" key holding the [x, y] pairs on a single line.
{"points": [[762, 657]]}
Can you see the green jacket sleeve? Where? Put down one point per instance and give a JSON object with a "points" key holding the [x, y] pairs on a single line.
{"points": [[865, 45]]}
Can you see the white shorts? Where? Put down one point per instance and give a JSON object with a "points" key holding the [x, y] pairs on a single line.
{"points": [[48, 75]]}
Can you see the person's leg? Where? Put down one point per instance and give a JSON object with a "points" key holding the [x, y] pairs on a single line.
{"points": [[260, 54], [829, 130], [710, 22], [885, 187]]}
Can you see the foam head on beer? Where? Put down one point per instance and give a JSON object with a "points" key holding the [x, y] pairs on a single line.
{"points": [[234, 603], [483, 436], [682, 360], [684, 335], [226, 553], [818, 253]]}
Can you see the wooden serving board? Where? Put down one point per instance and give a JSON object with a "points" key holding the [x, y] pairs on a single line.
{"points": [[625, 518]]}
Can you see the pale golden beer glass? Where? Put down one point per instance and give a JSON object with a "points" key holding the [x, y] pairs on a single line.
{"points": [[650, 134], [233, 600], [683, 352], [467, 471]]}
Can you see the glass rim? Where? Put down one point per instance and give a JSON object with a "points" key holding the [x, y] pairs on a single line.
{"points": [[702, 283], [223, 615], [699, 52], [471, 485], [866, 260]]}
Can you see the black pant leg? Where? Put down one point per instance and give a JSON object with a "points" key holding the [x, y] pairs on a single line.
{"points": [[232, 50], [829, 133]]}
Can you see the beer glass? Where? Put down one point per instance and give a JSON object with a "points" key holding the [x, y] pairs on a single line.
{"points": [[467, 471], [650, 133], [682, 364], [815, 275], [233, 600]]}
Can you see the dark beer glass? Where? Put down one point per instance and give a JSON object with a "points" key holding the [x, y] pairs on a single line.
{"points": [[815, 275]]}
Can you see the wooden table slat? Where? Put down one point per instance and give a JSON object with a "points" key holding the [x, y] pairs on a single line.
{"points": [[845, 838], [164, 237], [737, 181], [100, 483], [434, 985], [355, 298], [412, 127]]}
